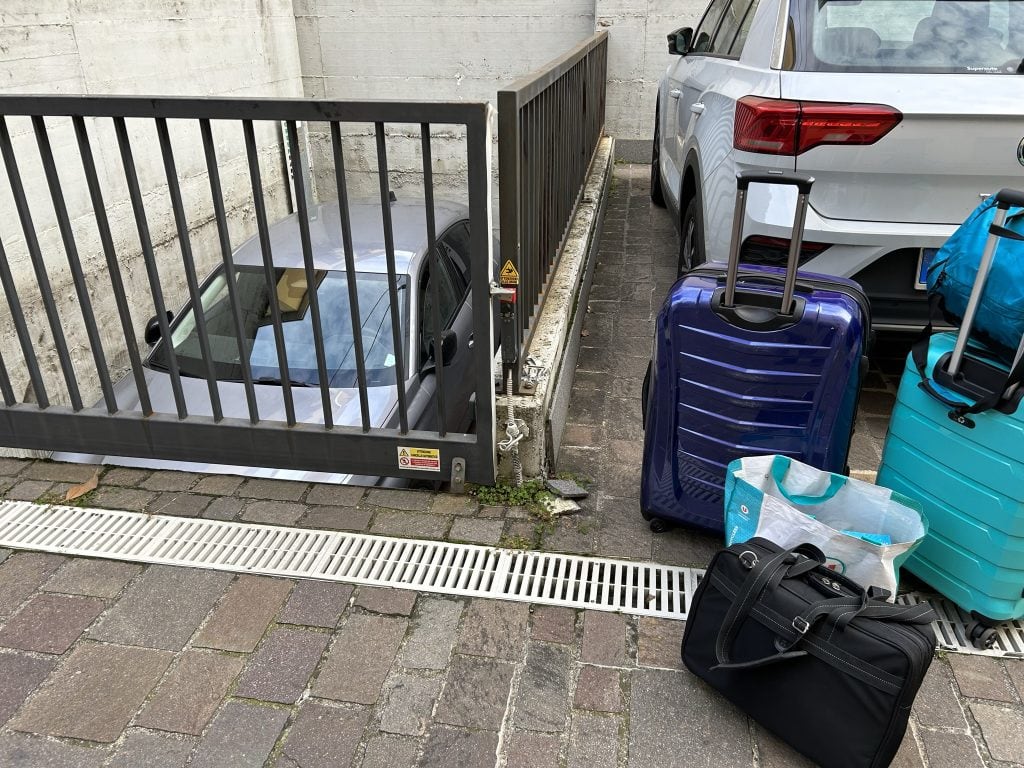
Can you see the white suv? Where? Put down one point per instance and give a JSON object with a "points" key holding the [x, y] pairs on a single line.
{"points": [[906, 112]]}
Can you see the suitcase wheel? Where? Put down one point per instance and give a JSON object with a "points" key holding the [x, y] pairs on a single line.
{"points": [[660, 526], [981, 636]]}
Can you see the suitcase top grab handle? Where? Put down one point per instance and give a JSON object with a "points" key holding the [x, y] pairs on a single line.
{"points": [[744, 179]]}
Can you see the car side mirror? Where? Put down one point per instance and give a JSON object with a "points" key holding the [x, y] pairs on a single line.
{"points": [[680, 40], [449, 346], [152, 334]]}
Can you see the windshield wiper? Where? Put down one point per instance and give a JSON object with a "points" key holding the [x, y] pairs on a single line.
{"points": [[277, 380]]}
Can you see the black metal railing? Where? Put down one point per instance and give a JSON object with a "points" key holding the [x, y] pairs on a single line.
{"points": [[549, 126], [205, 433]]}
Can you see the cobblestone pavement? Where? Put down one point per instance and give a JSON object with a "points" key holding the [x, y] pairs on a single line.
{"points": [[118, 664]]}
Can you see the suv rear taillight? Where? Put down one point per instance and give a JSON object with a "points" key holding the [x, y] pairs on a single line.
{"points": [[773, 251], [781, 127]]}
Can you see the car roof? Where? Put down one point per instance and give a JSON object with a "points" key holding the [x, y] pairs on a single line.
{"points": [[408, 224]]}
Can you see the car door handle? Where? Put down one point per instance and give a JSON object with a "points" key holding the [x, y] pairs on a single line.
{"points": [[470, 344], [675, 93], [697, 108]]}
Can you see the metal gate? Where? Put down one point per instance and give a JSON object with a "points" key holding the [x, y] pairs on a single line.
{"points": [[96, 191]]}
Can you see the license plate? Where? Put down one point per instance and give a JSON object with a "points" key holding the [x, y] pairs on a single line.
{"points": [[924, 260]]}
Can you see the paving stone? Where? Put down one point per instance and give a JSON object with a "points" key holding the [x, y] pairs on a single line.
{"points": [[528, 749], [390, 498], [981, 677], [275, 512], [1016, 671], [476, 531], [12, 466], [188, 696], [936, 703], [594, 741], [224, 508], [143, 749], [179, 504], [410, 525], [434, 628], [624, 533], [1003, 731], [494, 628], [97, 578], [658, 643], [123, 476], [907, 756], [316, 603], [272, 490], [458, 747], [94, 693], [604, 638], [169, 480], [241, 618], [576, 534], [129, 499], [28, 490], [241, 736], [337, 518], [543, 697], [685, 547], [218, 485], [620, 471], [22, 751], [408, 704], [281, 668], [475, 693], [599, 689], [775, 753], [162, 608], [388, 751], [553, 624], [56, 472], [335, 495], [50, 623], [21, 574], [4, 554], [21, 674], [358, 663], [950, 750], [454, 504], [491, 512], [516, 512], [323, 736], [715, 733], [398, 602]]}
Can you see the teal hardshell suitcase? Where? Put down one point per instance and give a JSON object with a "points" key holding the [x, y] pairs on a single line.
{"points": [[956, 444]]}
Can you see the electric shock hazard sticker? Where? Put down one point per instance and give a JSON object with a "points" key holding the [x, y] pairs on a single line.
{"points": [[423, 459], [509, 275]]}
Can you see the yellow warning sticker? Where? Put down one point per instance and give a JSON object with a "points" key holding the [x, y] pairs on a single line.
{"points": [[509, 274], [423, 459]]}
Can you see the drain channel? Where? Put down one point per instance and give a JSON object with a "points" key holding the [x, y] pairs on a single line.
{"points": [[644, 589]]}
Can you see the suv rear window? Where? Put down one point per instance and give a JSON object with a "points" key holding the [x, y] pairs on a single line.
{"points": [[963, 36]]}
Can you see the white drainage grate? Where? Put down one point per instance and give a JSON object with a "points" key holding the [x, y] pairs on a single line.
{"points": [[644, 589], [951, 628]]}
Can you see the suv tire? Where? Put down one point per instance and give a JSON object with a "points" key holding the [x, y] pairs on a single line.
{"points": [[691, 237], [657, 193]]}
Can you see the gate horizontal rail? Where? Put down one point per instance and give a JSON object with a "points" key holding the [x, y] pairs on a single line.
{"points": [[549, 126], [205, 423]]}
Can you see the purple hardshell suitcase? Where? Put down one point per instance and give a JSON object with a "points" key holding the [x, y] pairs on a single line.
{"points": [[734, 375]]}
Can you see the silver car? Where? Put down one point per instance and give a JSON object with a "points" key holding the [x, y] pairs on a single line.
{"points": [[415, 290], [906, 112]]}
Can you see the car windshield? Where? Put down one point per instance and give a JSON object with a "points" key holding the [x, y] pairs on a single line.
{"points": [[942, 36], [297, 326]]}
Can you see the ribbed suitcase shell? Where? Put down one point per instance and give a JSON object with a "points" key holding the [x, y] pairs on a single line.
{"points": [[971, 482], [719, 392]]}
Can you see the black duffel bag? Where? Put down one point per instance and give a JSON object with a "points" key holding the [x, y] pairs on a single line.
{"points": [[807, 653]]}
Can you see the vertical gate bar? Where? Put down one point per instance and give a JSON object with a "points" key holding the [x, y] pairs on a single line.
{"points": [[113, 268], [24, 338], [389, 252], [350, 271], [302, 211], [74, 263], [478, 151], [224, 236], [174, 190], [510, 189], [5, 384], [268, 269], [132, 179], [428, 201], [39, 266]]}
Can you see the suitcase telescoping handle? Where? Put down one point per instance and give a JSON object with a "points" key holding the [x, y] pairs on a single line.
{"points": [[743, 181], [1004, 199]]}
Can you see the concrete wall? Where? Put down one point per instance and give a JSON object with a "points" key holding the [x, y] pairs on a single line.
{"points": [[203, 48]]}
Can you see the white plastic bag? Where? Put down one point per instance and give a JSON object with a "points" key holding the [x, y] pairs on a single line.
{"points": [[866, 531]]}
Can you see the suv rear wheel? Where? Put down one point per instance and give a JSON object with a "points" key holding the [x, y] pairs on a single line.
{"points": [[691, 237]]}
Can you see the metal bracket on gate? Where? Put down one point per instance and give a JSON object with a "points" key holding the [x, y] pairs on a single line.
{"points": [[458, 481], [532, 374]]}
